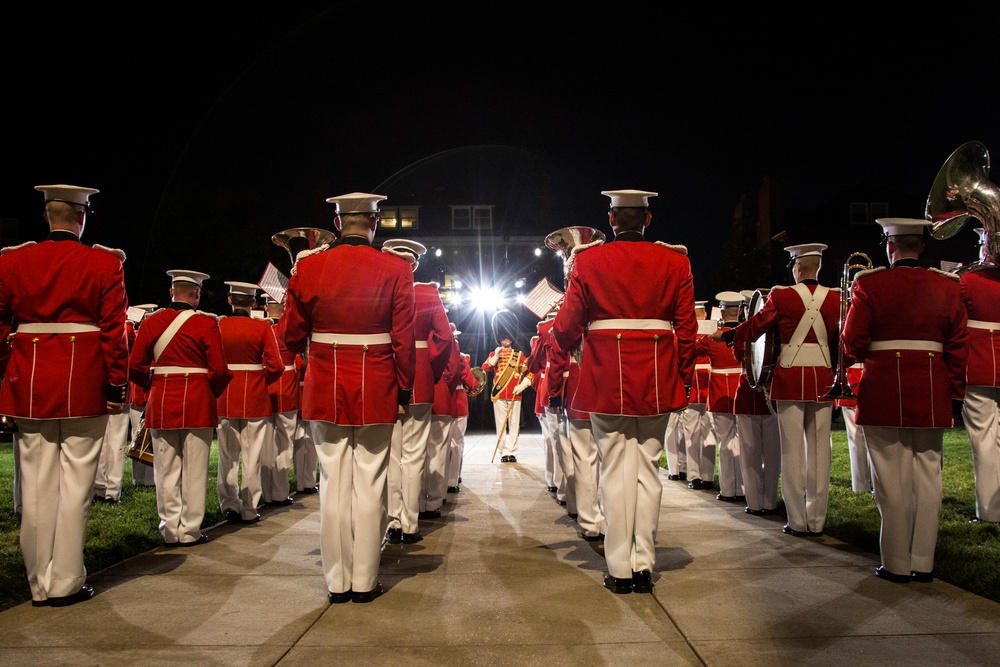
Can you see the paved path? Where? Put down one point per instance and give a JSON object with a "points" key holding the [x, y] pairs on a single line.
{"points": [[503, 579]]}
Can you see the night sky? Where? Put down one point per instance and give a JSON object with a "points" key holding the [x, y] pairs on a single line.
{"points": [[264, 111]]}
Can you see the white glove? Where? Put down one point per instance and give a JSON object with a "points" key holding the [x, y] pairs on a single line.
{"points": [[522, 385], [493, 358]]}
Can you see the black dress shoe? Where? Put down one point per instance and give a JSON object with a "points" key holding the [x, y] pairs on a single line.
{"points": [[674, 478], [280, 503], [233, 517], [788, 530], [616, 585], [561, 502], [684, 476], [642, 582], [741, 499], [696, 484], [922, 577], [572, 516], [82, 595], [511, 459], [755, 512], [726, 499], [453, 489], [814, 533], [202, 539], [429, 514], [593, 538], [394, 536], [368, 596], [308, 491], [411, 538], [254, 519], [338, 598], [552, 489], [883, 573]]}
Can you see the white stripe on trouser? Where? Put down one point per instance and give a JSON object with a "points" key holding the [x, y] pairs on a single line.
{"points": [[111, 464], [354, 461], [906, 472], [675, 445], [181, 470], [456, 449], [586, 464], [760, 459], [508, 443], [241, 439], [407, 460], [435, 484], [804, 429], [631, 490], [304, 455], [700, 443], [857, 448], [730, 472], [276, 456], [979, 412], [58, 461], [564, 455]]}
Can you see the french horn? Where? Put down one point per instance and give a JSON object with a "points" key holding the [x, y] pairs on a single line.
{"points": [[962, 190], [300, 239]]}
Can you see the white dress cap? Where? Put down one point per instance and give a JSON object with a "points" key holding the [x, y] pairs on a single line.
{"points": [[405, 245], [357, 202], [806, 250], [146, 306], [248, 289], [730, 299], [747, 294], [72, 194], [629, 198], [903, 226], [183, 276]]}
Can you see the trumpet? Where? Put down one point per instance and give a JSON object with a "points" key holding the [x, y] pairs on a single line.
{"points": [[841, 388]]}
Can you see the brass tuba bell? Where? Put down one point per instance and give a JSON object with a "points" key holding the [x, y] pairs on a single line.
{"points": [[564, 240], [962, 190], [299, 239]]}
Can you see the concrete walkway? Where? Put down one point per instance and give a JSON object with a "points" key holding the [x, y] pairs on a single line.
{"points": [[503, 579]]}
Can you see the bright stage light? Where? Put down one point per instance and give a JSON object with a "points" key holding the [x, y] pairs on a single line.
{"points": [[538, 252], [486, 299], [520, 283], [456, 283], [438, 253]]}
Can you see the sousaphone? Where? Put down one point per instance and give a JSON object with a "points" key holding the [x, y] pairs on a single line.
{"points": [[299, 239], [564, 240]]}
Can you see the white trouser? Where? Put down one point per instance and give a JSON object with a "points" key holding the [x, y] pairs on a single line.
{"points": [[111, 463], [760, 459], [58, 459], [906, 471], [304, 455], [980, 415], [631, 490], [241, 438], [407, 461], [566, 478], [180, 463], [857, 448], [508, 443], [587, 469], [276, 456], [730, 472], [675, 445], [700, 443], [435, 481], [552, 471], [142, 472], [456, 449], [804, 430], [354, 461]]}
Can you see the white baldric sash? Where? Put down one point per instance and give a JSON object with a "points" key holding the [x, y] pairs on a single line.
{"points": [[797, 352], [169, 333]]}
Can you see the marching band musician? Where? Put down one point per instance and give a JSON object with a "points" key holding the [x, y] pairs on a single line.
{"points": [[980, 290], [564, 477], [142, 472], [245, 415], [539, 382], [510, 379], [178, 358], [806, 318], [723, 382], [410, 437], [69, 302], [919, 345], [857, 447], [694, 423], [286, 399], [638, 365], [353, 306], [757, 429], [460, 409], [435, 488]]}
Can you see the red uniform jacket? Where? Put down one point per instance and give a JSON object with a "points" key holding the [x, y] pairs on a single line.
{"points": [[354, 290], [433, 335], [632, 303], [249, 342], [444, 390], [980, 292], [724, 378], [702, 366], [183, 399], [784, 309], [907, 306], [134, 392], [460, 404], [286, 392], [749, 401], [53, 375]]}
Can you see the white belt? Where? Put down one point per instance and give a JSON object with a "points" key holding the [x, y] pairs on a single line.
{"points": [[245, 367], [421, 345], [290, 367], [57, 327], [703, 367], [597, 325], [926, 345], [164, 370], [727, 371], [350, 339], [980, 324]]}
